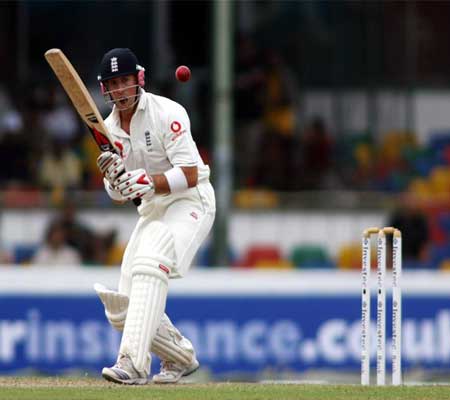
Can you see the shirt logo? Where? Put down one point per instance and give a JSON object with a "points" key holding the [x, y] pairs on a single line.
{"points": [[148, 140], [114, 66], [175, 127]]}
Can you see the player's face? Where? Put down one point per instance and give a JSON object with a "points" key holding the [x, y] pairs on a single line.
{"points": [[123, 91]]}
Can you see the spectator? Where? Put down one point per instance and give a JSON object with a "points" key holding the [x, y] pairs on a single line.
{"points": [[78, 235], [60, 121], [114, 249], [249, 93], [317, 154], [5, 257], [92, 247], [60, 168], [12, 137], [15, 169], [92, 179], [413, 223], [280, 143], [55, 251]]}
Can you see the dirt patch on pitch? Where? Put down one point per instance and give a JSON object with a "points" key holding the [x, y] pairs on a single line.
{"points": [[52, 382], [34, 381]]}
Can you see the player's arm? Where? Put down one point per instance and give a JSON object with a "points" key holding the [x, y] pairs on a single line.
{"points": [[177, 141], [180, 150], [138, 184], [175, 179]]}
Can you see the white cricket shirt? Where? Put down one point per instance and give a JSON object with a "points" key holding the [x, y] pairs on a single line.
{"points": [[160, 137]]}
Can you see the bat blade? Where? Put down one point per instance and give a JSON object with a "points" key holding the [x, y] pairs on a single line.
{"points": [[80, 97], [82, 101]]}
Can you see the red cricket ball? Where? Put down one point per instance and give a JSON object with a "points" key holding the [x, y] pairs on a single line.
{"points": [[183, 73]]}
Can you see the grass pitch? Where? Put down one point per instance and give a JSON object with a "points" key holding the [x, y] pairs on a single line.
{"points": [[32, 388]]}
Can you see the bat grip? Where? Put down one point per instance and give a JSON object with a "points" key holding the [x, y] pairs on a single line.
{"points": [[105, 145], [137, 202]]}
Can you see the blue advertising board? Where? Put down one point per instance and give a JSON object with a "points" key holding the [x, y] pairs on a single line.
{"points": [[58, 333]]}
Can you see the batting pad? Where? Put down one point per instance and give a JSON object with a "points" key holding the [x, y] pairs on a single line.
{"points": [[170, 345], [147, 303], [153, 260], [116, 305]]}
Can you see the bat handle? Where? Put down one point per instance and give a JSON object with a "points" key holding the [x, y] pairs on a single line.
{"points": [[137, 202], [105, 145]]}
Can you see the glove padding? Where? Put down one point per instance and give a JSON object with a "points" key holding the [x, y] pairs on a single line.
{"points": [[113, 194], [110, 165], [135, 184]]}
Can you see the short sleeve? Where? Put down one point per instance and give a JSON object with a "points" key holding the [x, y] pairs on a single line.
{"points": [[177, 137]]}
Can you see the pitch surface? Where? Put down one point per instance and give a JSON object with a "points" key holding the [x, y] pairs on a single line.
{"points": [[35, 388]]}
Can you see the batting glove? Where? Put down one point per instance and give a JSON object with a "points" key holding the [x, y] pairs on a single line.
{"points": [[113, 194], [135, 184], [110, 165]]}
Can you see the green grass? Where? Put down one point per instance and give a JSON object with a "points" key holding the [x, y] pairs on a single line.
{"points": [[95, 389]]}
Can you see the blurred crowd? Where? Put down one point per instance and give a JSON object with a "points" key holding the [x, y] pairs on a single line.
{"points": [[68, 241], [273, 149], [43, 144], [275, 146], [45, 148], [57, 154], [278, 147]]}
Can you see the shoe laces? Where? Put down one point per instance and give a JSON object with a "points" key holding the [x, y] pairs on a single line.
{"points": [[167, 366], [123, 362]]}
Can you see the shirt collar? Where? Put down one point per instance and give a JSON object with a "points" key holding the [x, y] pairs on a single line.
{"points": [[142, 100], [116, 116], [141, 106]]}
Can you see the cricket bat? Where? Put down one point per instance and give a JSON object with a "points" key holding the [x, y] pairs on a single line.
{"points": [[82, 101]]}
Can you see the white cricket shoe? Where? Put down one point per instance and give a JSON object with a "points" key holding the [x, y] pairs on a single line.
{"points": [[171, 372], [123, 371]]}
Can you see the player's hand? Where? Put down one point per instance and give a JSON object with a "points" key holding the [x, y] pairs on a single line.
{"points": [[110, 165], [135, 184], [112, 193]]}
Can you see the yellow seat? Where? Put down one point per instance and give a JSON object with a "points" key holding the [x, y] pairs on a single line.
{"points": [[363, 155], [440, 179], [421, 189], [256, 199], [445, 265], [392, 144], [349, 256]]}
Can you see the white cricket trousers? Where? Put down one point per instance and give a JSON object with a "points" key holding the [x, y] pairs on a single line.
{"points": [[189, 217]]}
